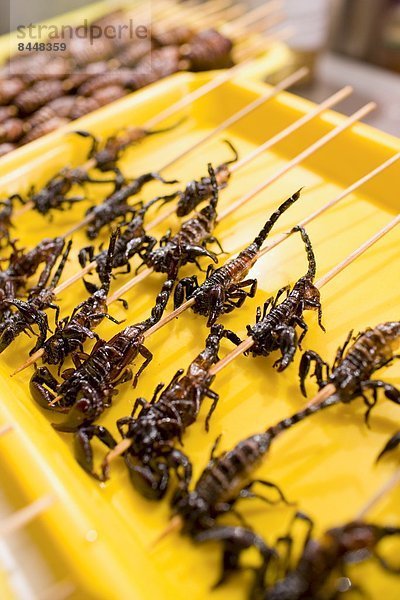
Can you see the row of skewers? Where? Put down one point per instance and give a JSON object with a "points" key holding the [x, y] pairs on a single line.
{"points": [[41, 91], [150, 438]]}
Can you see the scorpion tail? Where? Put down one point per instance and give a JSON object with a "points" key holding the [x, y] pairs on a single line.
{"points": [[312, 266], [235, 153], [299, 416], [110, 259], [262, 236], [214, 184], [61, 266]]}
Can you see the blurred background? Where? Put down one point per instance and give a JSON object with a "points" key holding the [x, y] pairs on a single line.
{"points": [[342, 41]]}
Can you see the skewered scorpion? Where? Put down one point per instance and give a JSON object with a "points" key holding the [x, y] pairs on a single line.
{"points": [[198, 191], [71, 332], [116, 206], [31, 312], [190, 242], [23, 265], [372, 349], [355, 541], [277, 329], [223, 289], [87, 390], [133, 240], [151, 456]]}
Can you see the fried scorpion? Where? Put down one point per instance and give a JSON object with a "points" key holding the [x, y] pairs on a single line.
{"points": [[223, 290], [87, 390]]}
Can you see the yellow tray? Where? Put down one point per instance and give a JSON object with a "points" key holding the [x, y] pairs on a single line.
{"points": [[98, 536]]}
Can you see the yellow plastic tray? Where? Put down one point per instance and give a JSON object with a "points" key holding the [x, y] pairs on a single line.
{"points": [[98, 536]]}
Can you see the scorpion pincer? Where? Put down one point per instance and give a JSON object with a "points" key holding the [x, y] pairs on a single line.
{"points": [[31, 312], [151, 455], [224, 289], [276, 330], [71, 332], [351, 373], [87, 390], [116, 207], [133, 240], [311, 577], [189, 243]]}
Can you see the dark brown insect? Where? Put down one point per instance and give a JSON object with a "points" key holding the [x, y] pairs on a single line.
{"points": [[311, 576], [351, 372], [276, 330], [160, 422], [23, 265], [115, 207], [190, 242], [32, 311], [87, 390], [198, 191], [208, 50], [224, 289], [133, 240], [71, 332]]}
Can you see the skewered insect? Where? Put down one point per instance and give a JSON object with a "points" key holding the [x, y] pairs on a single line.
{"points": [[322, 558], [277, 329], [133, 240], [71, 332], [115, 207], [224, 482], [22, 265], [351, 373], [224, 289], [151, 456], [31, 312], [191, 240], [199, 191], [88, 389]]}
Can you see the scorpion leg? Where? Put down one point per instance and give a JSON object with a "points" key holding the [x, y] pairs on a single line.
{"points": [[86, 255], [184, 289], [44, 387], [214, 397], [216, 304], [151, 481], [390, 391], [83, 449], [392, 444], [308, 357], [197, 251], [247, 492], [235, 540], [213, 240], [299, 321], [147, 355], [264, 310], [340, 351], [288, 345], [279, 293]]}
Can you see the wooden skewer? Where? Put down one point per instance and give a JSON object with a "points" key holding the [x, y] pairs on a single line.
{"points": [[58, 591], [5, 429], [25, 515], [327, 390], [284, 84], [248, 342], [377, 497], [259, 19], [258, 13], [168, 112], [317, 145]]}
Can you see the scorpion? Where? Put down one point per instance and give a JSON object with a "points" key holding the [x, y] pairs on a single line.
{"points": [[372, 349], [277, 329], [87, 391], [116, 206], [133, 240], [31, 311], [23, 265], [190, 242], [199, 191], [319, 559], [151, 455], [71, 332], [224, 289]]}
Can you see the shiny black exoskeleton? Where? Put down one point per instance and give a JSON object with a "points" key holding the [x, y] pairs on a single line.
{"points": [[224, 289], [87, 390], [276, 329], [151, 456]]}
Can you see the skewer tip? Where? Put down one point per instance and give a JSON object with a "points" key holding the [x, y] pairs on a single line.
{"points": [[175, 524]]}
